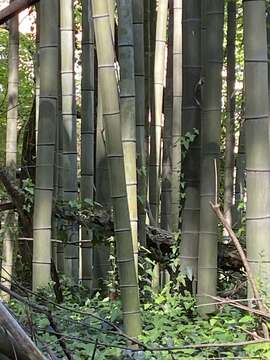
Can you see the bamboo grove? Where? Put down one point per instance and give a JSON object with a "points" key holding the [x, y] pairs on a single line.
{"points": [[143, 113]]}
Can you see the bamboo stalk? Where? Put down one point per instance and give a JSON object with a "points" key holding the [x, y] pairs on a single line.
{"points": [[191, 120], [70, 190], [230, 119], [46, 143], [177, 113], [156, 121], [257, 141], [11, 147], [139, 70], [166, 188], [128, 112], [112, 122], [210, 137], [87, 135]]}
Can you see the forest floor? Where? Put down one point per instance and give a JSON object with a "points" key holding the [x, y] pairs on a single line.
{"points": [[91, 328]]}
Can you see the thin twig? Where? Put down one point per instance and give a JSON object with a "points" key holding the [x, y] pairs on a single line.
{"points": [[216, 208]]}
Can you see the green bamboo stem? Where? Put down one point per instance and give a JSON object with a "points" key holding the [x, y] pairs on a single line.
{"points": [[70, 190], [240, 176], [257, 141], [37, 77], [210, 137], [177, 113], [139, 69], [156, 121], [59, 168], [191, 120], [87, 135], [112, 122], [46, 142], [101, 252], [11, 148], [230, 119], [166, 189], [128, 113]]}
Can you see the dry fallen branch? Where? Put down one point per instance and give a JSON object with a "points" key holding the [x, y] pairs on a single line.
{"points": [[23, 341], [14, 8], [216, 208], [43, 310]]}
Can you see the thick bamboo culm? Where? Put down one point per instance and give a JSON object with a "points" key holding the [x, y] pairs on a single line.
{"points": [[166, 188], [101, 251], [37, 78], [210, 141], [230, 117], [59, 169], [112, 123], [46, 142], [87, 135], [156, 121], [177, 113], [257, 141], [191, 120], [139, 69], [70, 188], [128, 112], [11, 148]]}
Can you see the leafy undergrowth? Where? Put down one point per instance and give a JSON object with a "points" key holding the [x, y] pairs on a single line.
{"points": [[170, 320]]}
